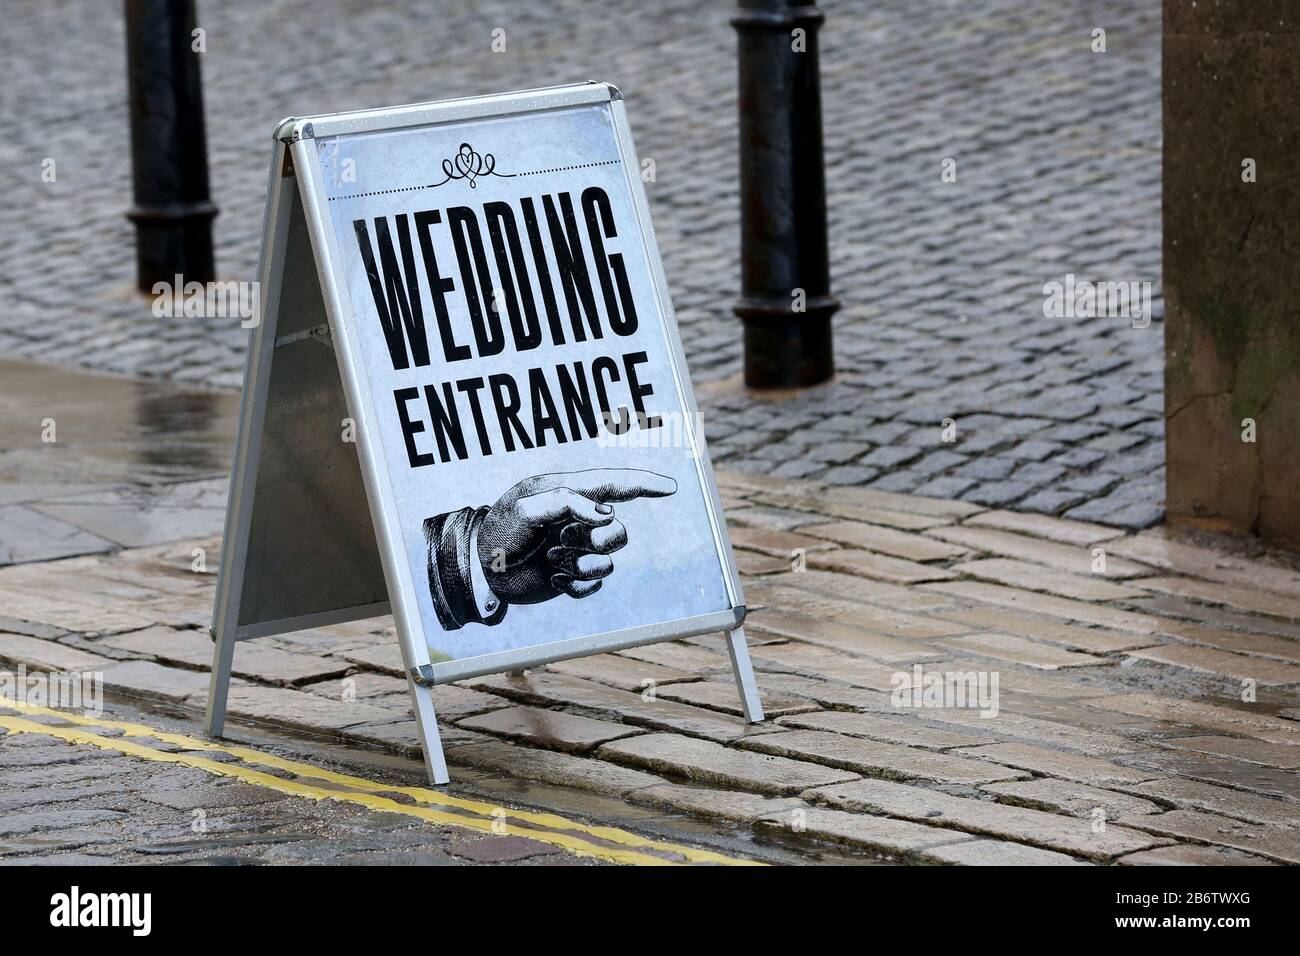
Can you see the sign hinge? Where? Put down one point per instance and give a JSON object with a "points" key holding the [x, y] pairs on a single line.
{"points": [[319, 333]]}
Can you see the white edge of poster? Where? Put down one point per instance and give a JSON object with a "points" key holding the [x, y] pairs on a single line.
{"points": [[299, 134]]}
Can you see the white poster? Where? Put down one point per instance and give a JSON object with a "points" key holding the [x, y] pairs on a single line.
{"points": [[520, 366]]}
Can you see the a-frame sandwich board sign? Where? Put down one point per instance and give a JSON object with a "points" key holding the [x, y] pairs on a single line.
{"points": [[466, 401]]}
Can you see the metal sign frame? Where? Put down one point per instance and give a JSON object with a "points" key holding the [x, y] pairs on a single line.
{"points": [[264, 570]]}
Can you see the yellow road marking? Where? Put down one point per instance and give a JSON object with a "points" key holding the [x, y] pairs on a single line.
{"points": [[610, 844], [348, 781]]}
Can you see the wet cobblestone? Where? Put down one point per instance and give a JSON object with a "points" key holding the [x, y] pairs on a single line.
{"points": [[1058, 153]]}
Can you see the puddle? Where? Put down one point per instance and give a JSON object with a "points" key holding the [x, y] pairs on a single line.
{"points": [[106, 430]]}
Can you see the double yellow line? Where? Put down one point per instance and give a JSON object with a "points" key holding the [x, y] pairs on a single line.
{"points": [[610, 844]]}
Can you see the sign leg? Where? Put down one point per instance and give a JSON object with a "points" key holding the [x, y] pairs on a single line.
{"points": [[426, 723], [223, 658], [744, 671]]}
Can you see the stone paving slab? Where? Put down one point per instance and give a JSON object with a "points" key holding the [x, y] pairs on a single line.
{"points": [[850, 639], [1264, 781], [553, 730], [751, 564], [779, 544], [812, 505], [70, 614], [291, 708], [1071, 558], [893, 839], [878, 759], [704, 762], [1089, 770], [1067, 609], [720, 695], [385, 658], [1282, 756], [1159, 549], [1241, 597], [371, 687], [136, 517], [890, 729], [621, 672], [561, 769], [47, 655], [1271, 843], [1094, 640], [192, 648], [1063, 531], [860, 594], [807, 600], [1089, 730], [543, 688], [33, 536], [1131, 734], [402, 736], [1234, 719], [1048, 830], [1022, 574], [1262, 645], [690, 658], [1060, 728], [456, 701], [807, 660], [1178, 613], [830, 694], [868, 564], [1064, 796], [1018, 650], [883, 540], [999, 853], [731, 805], [1190, 854], [1193, 795], [1211, 661], [151, 680]]}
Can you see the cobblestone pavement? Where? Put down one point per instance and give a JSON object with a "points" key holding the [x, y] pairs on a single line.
{"points": [[118, 787], [1058, 160], [69, 804], [1146, 708]]}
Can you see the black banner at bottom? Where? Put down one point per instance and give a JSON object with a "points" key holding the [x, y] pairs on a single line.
{"points": [[335, 905]]}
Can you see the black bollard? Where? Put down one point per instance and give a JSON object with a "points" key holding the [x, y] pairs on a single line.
{"points": [[783, 245], [169, 154]]}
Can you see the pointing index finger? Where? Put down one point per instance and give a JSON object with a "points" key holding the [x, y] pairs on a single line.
{"points": [[618, 484]]}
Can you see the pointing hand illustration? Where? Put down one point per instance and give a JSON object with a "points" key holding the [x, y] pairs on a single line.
{"points": [[554, 534], [548, 535]]}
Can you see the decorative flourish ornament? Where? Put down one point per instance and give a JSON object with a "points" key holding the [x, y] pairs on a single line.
{"points": [[469, 165]]}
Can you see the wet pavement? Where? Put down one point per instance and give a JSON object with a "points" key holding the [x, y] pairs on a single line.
{"points": [[90, 463], [1135, 697], [1057, 153], [138, 785]]}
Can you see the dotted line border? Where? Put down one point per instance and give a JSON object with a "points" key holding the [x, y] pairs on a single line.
{"points": [[534, 172], [560, 169]]}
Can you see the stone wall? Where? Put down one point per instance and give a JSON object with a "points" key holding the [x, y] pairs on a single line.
{"points": [[1231, 282]]}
